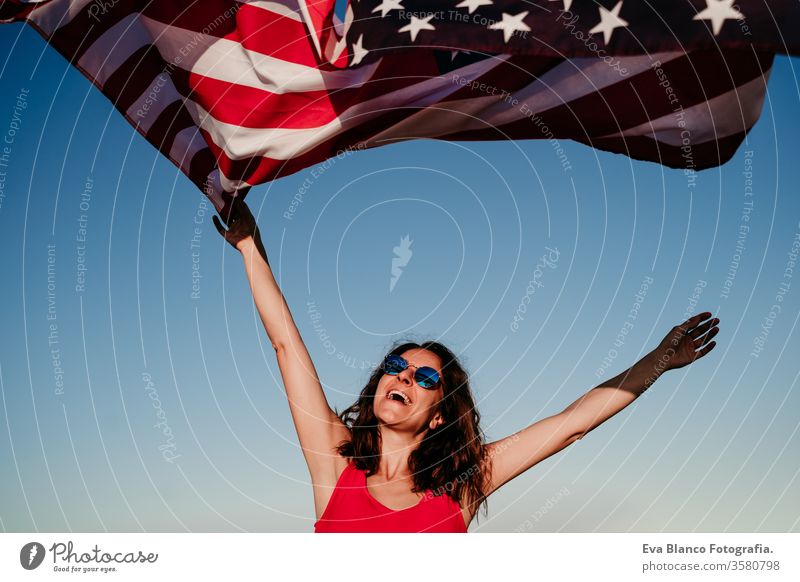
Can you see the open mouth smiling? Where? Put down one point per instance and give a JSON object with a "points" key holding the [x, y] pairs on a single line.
{"points": [[399, 396]]}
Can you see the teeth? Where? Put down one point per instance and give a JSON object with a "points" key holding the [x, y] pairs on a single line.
{"points": [[403, 396]]}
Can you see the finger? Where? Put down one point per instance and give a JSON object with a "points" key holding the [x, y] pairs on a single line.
{"points": [[218, 226], [698, 318], [704, 340], [705, 350], [701, 329], [693, 321]]}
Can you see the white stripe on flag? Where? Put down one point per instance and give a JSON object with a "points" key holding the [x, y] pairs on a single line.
{"points": [[231, 185], [227, 60], [188, 142], [310, 24], [114, 47], [719, 117], [219, 183], [56, 14], [566, 82], [158, 96], [280, 143]]}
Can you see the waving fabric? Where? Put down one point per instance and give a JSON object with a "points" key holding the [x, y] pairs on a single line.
{"points": [[239, 93]]}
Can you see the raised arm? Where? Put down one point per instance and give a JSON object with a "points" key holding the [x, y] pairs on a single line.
{"points": [[317, 426], [519, 452]]}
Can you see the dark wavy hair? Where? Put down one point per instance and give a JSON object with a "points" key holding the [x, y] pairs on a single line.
{"points": [[451, 459]]}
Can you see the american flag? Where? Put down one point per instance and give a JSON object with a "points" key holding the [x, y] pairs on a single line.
{"points": [[239, 93]]}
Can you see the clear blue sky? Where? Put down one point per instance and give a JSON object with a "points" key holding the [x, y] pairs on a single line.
{"points": [[133, 354]]}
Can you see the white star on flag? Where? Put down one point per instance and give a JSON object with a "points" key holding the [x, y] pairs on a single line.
{"points": [[387, 6], [718, 11], [511, 24], [416, 25], [473, 5], [609, 20], [359, 52]]}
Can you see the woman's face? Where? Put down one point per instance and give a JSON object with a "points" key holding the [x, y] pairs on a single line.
{"points": [[417, 412]]}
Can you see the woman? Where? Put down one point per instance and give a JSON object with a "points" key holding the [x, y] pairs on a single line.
{"points": [[409, 455]]}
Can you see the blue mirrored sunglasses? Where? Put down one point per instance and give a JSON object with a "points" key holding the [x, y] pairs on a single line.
{"points": [[425, 376]]}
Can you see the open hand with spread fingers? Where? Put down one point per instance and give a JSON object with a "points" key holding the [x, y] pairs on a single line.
{"points": [[688, 341]]}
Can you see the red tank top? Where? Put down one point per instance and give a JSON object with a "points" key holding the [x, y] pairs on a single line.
{"points": [[352, 509]]}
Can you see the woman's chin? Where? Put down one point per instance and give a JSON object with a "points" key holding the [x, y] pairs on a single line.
{"points": [[390, 413]]}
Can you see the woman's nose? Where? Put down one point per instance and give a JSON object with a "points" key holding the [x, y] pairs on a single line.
{"points": [[406, 376]]}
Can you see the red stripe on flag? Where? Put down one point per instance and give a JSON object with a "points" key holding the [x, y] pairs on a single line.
{"points": [[172, 120], [134, 77], [255, 108], [511, 74], [272, 34], [260, 169], [75, 37]]}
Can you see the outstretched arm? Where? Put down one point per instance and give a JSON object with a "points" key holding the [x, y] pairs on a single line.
{"points": [[318, 428], [519, 452]]}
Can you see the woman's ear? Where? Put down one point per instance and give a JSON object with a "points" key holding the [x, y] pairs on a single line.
{"points": [[436, 421]]}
